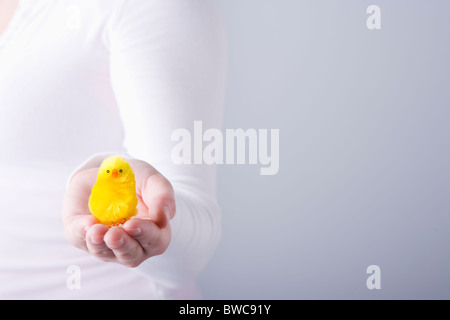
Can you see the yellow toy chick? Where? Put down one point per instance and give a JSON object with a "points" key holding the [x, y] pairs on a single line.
{"points": [[113, 197]]}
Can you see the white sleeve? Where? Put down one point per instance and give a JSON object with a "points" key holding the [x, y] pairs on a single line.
{"points": [[168, 66]]}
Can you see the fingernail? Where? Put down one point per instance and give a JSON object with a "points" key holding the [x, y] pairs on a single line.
{"points": [[116, 244], [134, 232], [96, 240]]}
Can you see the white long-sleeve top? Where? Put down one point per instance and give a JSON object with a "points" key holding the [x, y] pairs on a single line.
{"points": [[83, 77]]}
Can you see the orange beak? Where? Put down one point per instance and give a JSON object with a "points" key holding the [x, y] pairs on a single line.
{"points": [[114, 173]]}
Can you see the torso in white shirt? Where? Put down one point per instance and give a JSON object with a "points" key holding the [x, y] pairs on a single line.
{"points": [[57, 108]]}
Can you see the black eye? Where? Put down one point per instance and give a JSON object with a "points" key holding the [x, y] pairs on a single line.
{"points": [[120, 170], [107, 171]]}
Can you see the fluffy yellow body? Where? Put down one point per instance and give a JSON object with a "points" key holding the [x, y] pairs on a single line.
{"points": [[113, 198]]}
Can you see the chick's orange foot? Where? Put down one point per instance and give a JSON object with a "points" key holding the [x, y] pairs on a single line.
{"points": [[116, 224]]}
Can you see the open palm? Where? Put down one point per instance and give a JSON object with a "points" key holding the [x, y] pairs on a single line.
{"points": [[145, 235]]}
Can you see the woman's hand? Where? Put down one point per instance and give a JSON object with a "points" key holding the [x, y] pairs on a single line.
{"points": [[145, 235]]}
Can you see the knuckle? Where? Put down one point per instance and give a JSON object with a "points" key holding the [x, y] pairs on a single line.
{"points": [[124, 256], [128, 257], [104, 255]]}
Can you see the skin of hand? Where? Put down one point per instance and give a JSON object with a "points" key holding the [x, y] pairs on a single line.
{"points": [[7, 9], [143, 236]]}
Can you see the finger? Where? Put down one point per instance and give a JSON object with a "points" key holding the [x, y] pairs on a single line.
{"points": [[148, 234], [127, 250], [76, 228], [159, 198], [95, 243]]}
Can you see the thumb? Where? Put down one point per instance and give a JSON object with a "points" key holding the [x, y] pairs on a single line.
{"points": [[158, 196]]}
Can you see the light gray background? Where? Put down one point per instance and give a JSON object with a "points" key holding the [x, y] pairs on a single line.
{"points": [[364, 152]]}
